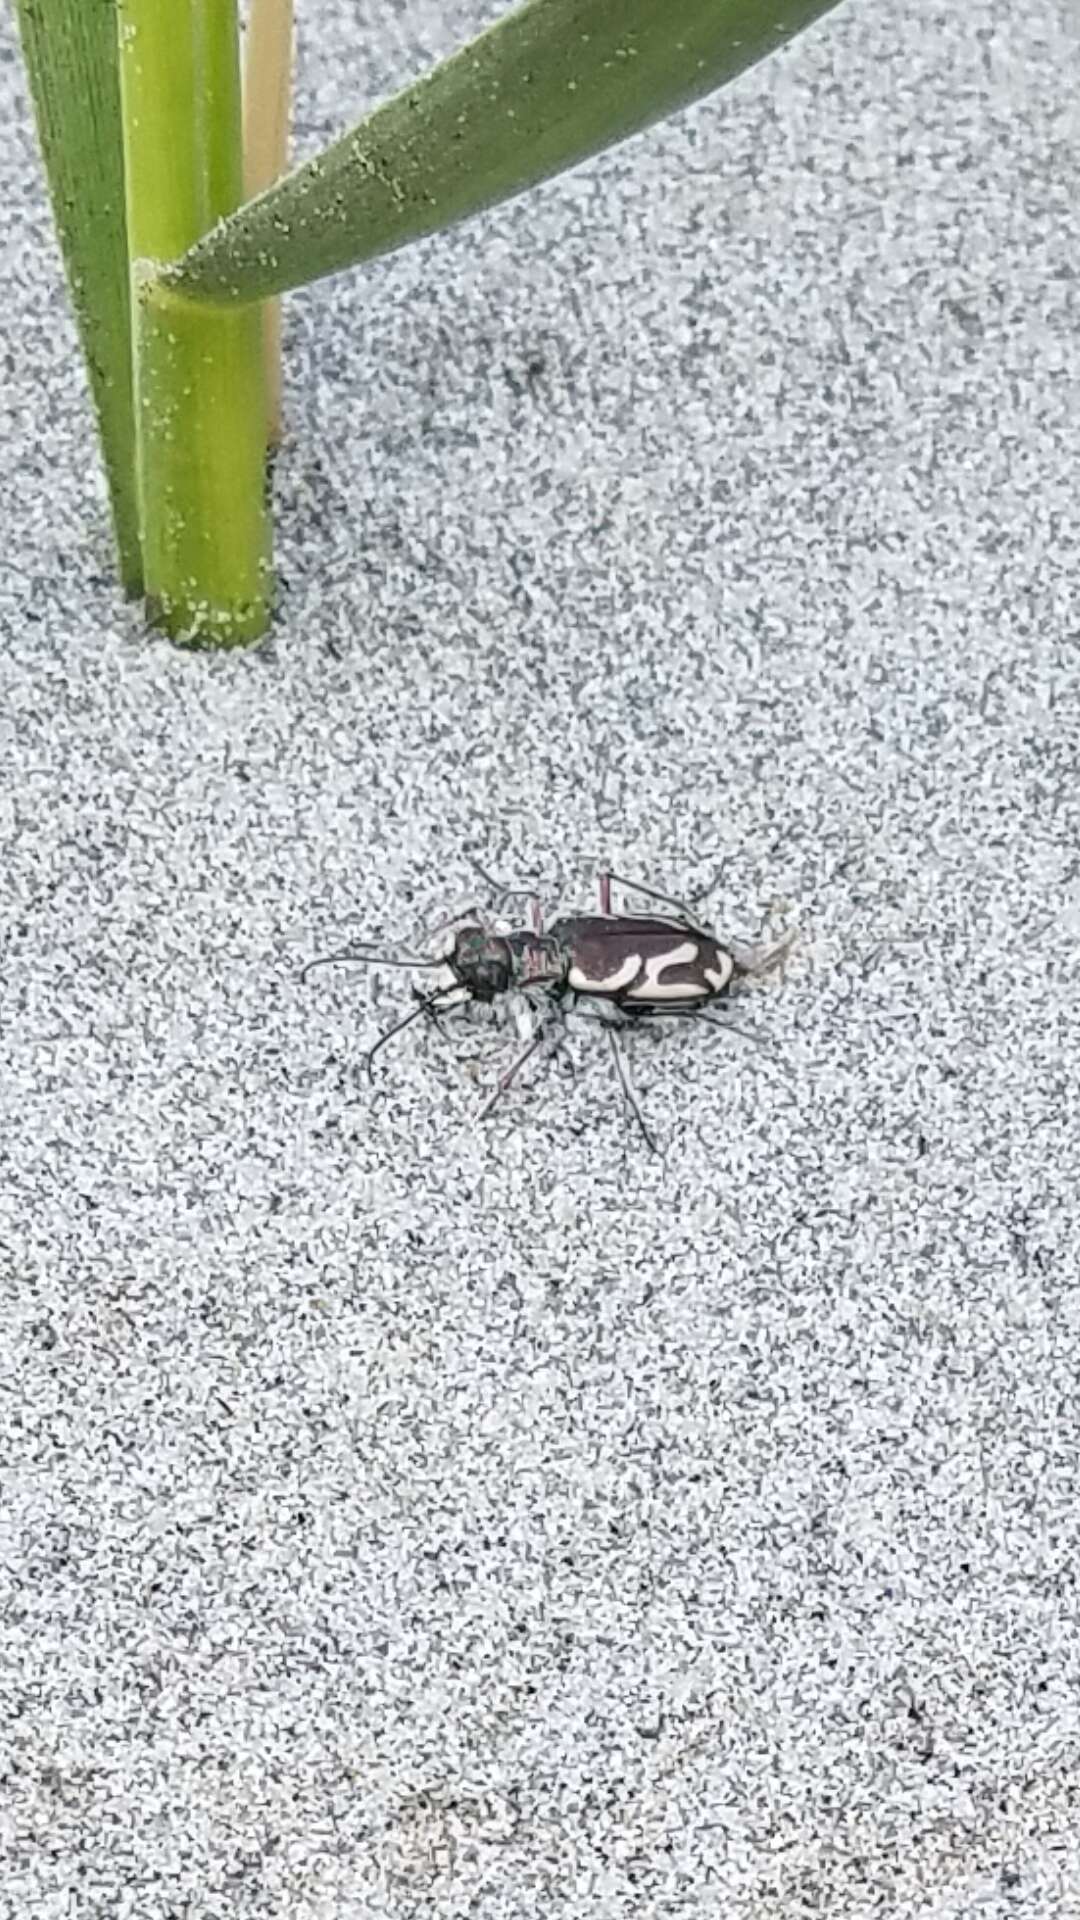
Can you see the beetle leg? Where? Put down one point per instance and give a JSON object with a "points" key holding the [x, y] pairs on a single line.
{"points": [[492, 885], [630, 1100], [609, 1015], [602, 1013], [507, 1079], [428, 1004], [758, 961], [710, 1020], [664, 899], [433, 1010], [736, 1026], [474, 911], [502, 894]]}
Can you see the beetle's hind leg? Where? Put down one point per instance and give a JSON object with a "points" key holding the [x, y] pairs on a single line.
{"points": [[713, 1015], [718, 1021], [686, 913], [756, 962]]}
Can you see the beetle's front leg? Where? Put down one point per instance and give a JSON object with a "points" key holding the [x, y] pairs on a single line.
{"points": [[432, 1011], [502, 894]]}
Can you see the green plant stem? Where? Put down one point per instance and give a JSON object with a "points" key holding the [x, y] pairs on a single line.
{"points": [[547, 85], [71, 58], [200, 395]]}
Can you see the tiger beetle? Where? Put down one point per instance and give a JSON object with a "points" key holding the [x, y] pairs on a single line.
{"points": [[617, 968]]}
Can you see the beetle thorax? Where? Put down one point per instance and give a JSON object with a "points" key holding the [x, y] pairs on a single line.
{"points": [[538, 959]]}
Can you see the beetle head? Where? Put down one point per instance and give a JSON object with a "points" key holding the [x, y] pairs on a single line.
{"points": [[482, 962]]}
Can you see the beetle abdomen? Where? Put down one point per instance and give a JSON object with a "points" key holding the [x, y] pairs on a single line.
{"points": [[642, 963]]}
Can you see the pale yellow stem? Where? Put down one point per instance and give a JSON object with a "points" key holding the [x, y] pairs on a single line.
{"points": [[267, 93]]}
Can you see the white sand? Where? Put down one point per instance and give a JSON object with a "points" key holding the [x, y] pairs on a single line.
{"points": [[403, 1518]]}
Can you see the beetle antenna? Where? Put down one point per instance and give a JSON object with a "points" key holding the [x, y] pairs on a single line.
{"points": [[353, 955]]}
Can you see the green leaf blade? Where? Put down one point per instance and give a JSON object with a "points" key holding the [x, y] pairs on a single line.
{"points": [[71, 58], [540, 91]]}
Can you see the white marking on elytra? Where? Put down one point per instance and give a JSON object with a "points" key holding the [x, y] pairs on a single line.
{"points": [[654, 987], [579, 980], [719, 976]]}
